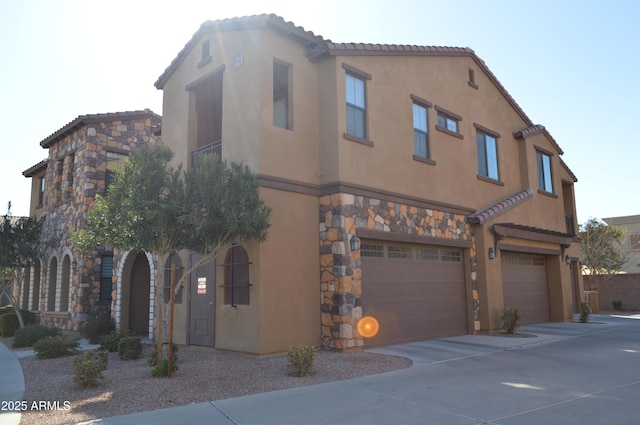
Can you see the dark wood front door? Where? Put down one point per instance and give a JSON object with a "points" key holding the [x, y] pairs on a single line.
{"points": [[139, 296], [202, 304]]}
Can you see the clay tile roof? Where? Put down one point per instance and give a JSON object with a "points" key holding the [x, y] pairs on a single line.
{"points": [[499, 207], [537, 129], [307, 38], [31, 171], [92, 118]]}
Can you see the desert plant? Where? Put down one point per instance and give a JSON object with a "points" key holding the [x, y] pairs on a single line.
{"points": [[55, 346], [129, 347], [510, 320], [88, 368], [585, 311], [110, 341], [617, 305], [300, 360], [96, 327], [160, 369], [30, 334]]}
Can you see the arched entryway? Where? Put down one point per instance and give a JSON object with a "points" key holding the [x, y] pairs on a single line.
{"points": [[136, 294]]}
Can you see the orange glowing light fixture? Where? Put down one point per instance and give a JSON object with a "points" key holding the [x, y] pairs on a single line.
{"points": [[368, 326]]}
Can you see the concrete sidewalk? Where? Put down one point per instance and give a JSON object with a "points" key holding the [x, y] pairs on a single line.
{"points": [[570, 373]]}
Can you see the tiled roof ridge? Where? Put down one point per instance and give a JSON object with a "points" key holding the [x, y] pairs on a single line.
{"points": [[29, 172], [399, 48], [500, 207], [242, 22], [88, 118], [566, 167], [532, 130]]}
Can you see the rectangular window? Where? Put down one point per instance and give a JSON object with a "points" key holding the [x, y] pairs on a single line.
{"points": [[447, 122], [545, 181], [487, 156], [281, 95], [453, 256], [634, 240], [370, 250], [106, 276], [400, 252], [356, 107], [428, 254], [420, 131], [41, 193], [114, 160]]}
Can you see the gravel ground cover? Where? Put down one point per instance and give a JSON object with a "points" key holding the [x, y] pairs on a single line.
{"points": [[203, 375]]}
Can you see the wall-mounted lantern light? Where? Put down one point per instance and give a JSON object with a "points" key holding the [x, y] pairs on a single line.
{"points": [[354, 243], [74, 265], [567, 259], [492, 254]]}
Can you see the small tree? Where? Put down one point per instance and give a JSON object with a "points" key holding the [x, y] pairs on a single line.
{"points": [[602, 249], [19, 241], [156, 208]]}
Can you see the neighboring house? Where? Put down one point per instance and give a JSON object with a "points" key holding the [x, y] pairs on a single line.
{"points": [[63, 287], [405, 182], [631, 247]]}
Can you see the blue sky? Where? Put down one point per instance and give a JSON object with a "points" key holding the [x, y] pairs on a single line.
{"points": [[571, 65]]}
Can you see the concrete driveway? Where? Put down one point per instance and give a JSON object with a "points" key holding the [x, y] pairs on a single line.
{"points": [[570, 373]]}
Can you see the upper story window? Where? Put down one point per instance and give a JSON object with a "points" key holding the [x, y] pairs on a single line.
{"points": [[448, 122], [281, 95], [545, 178], [41, 192], [420, 131], [356, 107], [487, 155], [114, 160], [634, 241]]}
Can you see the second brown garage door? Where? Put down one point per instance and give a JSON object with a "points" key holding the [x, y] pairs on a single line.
{"points": [[414, 292], [524, 284]]}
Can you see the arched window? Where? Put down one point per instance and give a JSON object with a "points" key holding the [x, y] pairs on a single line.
{"points": [[236, 277], [35, 298], [173, 258], [52, 279], [65, 283]]}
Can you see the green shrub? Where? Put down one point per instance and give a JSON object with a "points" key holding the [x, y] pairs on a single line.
{"points": [[160, 370], [617, 305], [510, 320], [129, 347], [585, 311], [9, 324], [30, 334], [55, 346], [300, 360], [88, 368], [110, 341], [95, 328]]}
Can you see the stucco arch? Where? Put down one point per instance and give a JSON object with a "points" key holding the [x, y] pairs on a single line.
{"points": [[127, 266]]}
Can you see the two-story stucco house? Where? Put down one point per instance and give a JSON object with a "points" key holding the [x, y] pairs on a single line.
{"points": [[406, 184], [64, 288]]}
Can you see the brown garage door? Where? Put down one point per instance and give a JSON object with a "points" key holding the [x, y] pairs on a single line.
{"points": [[414, 292], [524, 284]]}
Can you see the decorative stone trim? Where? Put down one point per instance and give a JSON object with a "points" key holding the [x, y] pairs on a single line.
{"points": [[341, 215]]}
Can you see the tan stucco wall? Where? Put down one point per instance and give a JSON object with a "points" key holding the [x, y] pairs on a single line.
{"points": [[284, 308]]}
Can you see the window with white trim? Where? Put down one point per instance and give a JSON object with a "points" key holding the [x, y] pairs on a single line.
{"points": [[545, 178], [356, 106], [420, 131], [487, 155]]}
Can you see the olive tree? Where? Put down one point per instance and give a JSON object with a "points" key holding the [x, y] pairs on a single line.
{"points": [[19, 242], [154, 207]]}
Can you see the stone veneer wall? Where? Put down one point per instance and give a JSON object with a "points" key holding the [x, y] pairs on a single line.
{"points": [[341, 215], [75, 174]]}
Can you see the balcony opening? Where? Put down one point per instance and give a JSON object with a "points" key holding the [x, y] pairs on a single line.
{"points": [[208, 117]]}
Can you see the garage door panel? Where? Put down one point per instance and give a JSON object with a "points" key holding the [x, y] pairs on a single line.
{"points": [[524, 281], [413, 299]]}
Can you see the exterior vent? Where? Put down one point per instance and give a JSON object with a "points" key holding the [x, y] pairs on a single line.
{"points": [[472, 78]]}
